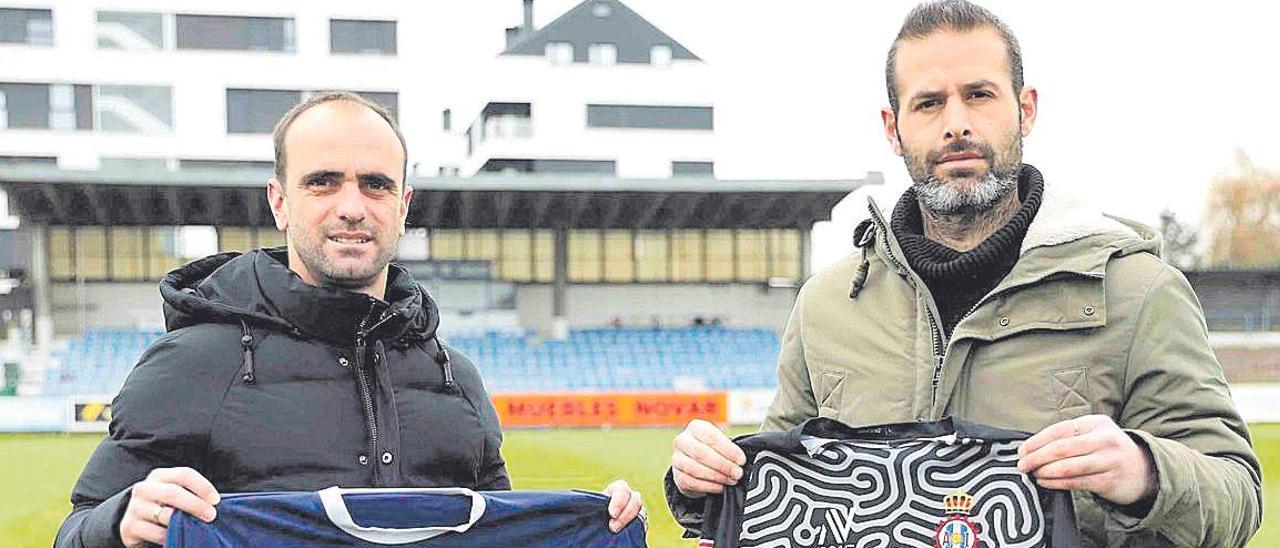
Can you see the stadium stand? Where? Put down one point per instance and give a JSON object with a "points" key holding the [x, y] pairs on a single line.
{"points": [[608, 359]]}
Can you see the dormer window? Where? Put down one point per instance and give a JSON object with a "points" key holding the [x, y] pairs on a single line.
{"points": [[660, 55], [559, 53], [602, 54]]}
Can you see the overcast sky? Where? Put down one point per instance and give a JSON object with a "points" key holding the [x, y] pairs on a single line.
{"points": [[1141, 103]]}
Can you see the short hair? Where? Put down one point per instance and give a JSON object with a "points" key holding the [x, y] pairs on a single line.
{"points": [[282, 127], [951, 15]]}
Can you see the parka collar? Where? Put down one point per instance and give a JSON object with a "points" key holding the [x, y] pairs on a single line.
{"points": [[259, 288]]}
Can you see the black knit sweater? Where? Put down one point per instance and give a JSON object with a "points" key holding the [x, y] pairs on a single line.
{"points": [[958, 279]]}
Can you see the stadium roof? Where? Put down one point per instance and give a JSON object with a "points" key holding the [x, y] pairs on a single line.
{"points": [[46, 195]]}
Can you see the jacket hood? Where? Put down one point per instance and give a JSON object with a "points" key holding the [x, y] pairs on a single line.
{"points": [[1067, 217], [258, 288]]}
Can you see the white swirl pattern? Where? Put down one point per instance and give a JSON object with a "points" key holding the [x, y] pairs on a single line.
{"points": [[870, 495]]}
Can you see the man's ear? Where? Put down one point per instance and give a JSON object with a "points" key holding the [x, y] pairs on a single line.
{"points": [[891, 129], [1028, 105], [279, 206], [404, 209]]}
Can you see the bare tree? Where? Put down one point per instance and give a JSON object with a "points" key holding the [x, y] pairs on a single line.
{"points": [[1242, 220], [1179, 241]]}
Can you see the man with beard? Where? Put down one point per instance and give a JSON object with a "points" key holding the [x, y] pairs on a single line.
{"points": [[299, 368], [994, 295]]}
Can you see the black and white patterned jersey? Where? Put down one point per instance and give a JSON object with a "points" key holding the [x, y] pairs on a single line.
{"points": [[944, 484]]}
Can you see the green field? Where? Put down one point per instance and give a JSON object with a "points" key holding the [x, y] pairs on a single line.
{"points": [[37, 472]]}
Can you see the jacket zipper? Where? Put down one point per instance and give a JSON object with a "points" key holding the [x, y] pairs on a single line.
{"points": [[935, 333], [366, 391]]}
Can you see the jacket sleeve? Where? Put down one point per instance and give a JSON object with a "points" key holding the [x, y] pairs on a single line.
{"points": [[1178, 405], [160, 419], [794, 401], [492, 474]]}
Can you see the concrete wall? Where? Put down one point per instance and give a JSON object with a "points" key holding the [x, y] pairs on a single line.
{"points": [[105, 305], [675, 305]]}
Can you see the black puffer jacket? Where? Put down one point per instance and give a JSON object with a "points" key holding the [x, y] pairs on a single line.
{"points": [[265, 383]]}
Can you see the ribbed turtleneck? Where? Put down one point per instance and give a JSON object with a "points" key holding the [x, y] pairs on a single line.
{"points": [[958, 279]]}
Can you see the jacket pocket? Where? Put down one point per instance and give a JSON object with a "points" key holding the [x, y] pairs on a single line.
{"points": [[1071, 393], [831, 394]]}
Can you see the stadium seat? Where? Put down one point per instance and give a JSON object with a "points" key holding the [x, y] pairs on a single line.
{"points": [[97, 363]]}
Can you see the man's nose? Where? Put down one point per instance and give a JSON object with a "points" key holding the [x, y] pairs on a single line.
{"points": [[350, 207], [956, 118]]}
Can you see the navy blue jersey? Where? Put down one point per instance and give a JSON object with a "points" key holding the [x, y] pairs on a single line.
{"points": [[408, 517]]}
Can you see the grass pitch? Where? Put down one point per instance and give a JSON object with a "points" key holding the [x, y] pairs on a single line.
{"points": [[38, 470]]}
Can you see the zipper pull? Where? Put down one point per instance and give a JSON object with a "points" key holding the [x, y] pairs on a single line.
{"points": [[937, 371], [360, 348]]}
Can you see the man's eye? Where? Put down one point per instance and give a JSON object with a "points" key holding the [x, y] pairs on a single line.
{"points": [[981, 95], [378, 185], [925, 105], [318, 183]]}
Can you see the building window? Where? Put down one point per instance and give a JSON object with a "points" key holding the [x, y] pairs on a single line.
{"points": [[446, 120], [133, 165], [389, 100], [601, 9], [652, 261], [719, 255], [234, 33], [258, 110], [650, 116], [751, 255], [26, 26], [370, 37], [619, 256], [687, 264], [131, 31], [525, 165], [559, 53], [223, 165], [660, 55], [46, 106], [784, 254], [586, 263], [135, 109], [602, 54], [18, 161], [693, 169]]}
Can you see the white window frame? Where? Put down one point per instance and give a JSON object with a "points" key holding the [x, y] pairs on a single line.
{"points": [[556, 53], [660, 55], [603, 54]]}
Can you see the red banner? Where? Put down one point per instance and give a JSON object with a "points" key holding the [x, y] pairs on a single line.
{"points": [[609, 409]]}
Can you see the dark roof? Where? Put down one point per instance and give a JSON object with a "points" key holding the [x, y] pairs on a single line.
{"points": [[632, 34], [238, 198]]}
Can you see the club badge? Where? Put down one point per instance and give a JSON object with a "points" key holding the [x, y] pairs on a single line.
{"points": [[956, 530]]}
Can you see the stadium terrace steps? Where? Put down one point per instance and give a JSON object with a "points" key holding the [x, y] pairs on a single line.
{"points": [[717, 358]]}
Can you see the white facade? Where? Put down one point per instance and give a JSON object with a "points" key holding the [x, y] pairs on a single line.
{"points": [[558, 96], [198, 79]]}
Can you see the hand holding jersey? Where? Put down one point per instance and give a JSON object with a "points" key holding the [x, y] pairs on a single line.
{"points": [[153, 501], [705, 460], [1090, 453]]}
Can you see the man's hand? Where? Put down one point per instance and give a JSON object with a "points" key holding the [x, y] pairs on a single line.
{"points": [[154, 500], [705, 460], [624, 505], [1089, 453]]}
